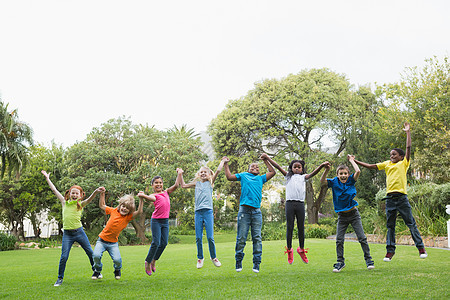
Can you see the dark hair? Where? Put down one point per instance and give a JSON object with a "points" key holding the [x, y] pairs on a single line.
{"points": [[290, 173], [340, 167], [156, 177], [400, 151]]}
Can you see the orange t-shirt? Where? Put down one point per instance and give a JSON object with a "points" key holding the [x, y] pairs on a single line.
{"points": [[115, 225]]}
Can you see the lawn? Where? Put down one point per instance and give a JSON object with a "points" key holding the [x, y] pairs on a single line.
{"points": [[30, 274]]}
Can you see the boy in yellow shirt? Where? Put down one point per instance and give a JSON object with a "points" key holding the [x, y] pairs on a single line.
{"points": [[396, 198]]}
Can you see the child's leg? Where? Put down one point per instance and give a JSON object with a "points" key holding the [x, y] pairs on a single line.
{"points": [[67, 242], [256, 225], [300, 214], [97, 256], [243, 225], [199, 233], [404, 208], [164, 238], [83, 240], [341, 228], [156, 239], [209, 226], [391, 217], [290, 215], [362, 239], [113, 250]]}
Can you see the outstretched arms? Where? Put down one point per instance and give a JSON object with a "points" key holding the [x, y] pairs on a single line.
{"points": [[53, 188], [226, 168], [407, 128], [313, 173], [92, 196], [140, 208], [274, 164], [151, 198], [176, 184], [351, 159], [323, 178], [219, 168], [271, 171]]}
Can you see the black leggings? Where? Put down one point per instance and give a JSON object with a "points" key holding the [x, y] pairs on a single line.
{"points": [[295, 209]]}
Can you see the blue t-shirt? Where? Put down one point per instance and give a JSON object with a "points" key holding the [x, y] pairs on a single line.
{"points": [[343, 193], [251, 188], [203, 195]]}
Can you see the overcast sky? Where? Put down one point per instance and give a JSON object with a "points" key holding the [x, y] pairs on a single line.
{"points": [[69, 66]]}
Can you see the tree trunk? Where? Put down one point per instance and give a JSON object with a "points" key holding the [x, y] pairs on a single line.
{"points": [[312, 205], [139, 227]]}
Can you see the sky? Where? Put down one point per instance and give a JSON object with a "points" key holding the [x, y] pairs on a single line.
{"points": [[69, 66]]}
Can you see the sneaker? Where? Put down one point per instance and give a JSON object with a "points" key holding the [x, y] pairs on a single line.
{"points": [[370, 265], [290, 254], [58, 282], [117, 274], [338, 267], [255, 268], [238, 266], [148, 270], [199, 263], [388, 256], [96, 275], [302, 253], [423, 253], [152, 266], [216, 262]]}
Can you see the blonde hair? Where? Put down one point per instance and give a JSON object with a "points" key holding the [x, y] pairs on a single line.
{"points": [[128, 202], [197, 175]]}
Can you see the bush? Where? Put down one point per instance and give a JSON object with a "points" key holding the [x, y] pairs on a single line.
{"points": [[316, 231], [7, 242], [273, 231], [52, 242]]}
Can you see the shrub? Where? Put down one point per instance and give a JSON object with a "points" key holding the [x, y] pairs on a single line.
{"points": [[7, 242], [316, 231]]}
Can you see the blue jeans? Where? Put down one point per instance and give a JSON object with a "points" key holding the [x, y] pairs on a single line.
{"points": [[70, 237], [160, 238], [249, 217], [113, 250], [354, 218], [399, 203], [204, 217]]}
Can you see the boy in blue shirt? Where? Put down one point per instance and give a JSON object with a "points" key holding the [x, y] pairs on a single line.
{"points": [[344, 192], [249, 214]]}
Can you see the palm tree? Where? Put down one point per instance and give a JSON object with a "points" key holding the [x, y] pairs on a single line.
{"points": [[15, 138]]}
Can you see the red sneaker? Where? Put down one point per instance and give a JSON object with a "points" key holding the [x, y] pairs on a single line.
{"points": [[388, 256], [148, 270], [290, 254], [302, 252]]}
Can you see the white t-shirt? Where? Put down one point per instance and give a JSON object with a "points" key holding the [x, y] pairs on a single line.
{"points": [[296, 187]]}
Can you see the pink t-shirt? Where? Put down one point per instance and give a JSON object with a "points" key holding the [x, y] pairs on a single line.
{"points": [[162, 206]]}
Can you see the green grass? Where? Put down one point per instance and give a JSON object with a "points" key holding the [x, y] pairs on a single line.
{"points": [[30, 274]]}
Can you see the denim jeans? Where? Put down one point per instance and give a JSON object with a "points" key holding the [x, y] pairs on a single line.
{"points": [[160, 238], [295, 209], [204, 217], [354, 218], [113, 250], [249, 217], [70, 237], [399, 203]]}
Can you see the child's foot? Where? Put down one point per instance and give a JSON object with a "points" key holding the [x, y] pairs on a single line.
{"points": [[96, 275], [255, 268], [302, 252], [216, 262], [423, 253], [152, 266], [58, 282], [148, 270], [338, 267], [388, 256], [290, 254], [238, 266], [199, 263], [370, 265], [117, 274]]}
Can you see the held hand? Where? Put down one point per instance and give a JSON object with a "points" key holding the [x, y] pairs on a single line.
{"points": [[100, 190], [141, 194], [350, 157], [225, 159], [264, 156], [46, 175], [406, 127], [327, 165], [180, 171]]}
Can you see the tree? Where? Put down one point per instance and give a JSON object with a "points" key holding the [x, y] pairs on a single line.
{"points": [[15, 137], [290, 118]]}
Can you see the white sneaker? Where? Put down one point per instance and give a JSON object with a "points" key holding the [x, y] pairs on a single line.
{"points": [[216, 262], [199, 263]]}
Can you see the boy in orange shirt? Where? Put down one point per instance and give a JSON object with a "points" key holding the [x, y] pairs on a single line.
{"points": [[108, 238]]}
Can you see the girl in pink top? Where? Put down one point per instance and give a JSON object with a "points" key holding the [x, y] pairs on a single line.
{"points": [[160, 220]]}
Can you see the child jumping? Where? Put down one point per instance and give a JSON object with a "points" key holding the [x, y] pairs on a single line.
{"points": [[249, 215], [160, 220], [295, 204], [396, 197], [108, 238], [204, 216], [344, 192], [72, 206]]}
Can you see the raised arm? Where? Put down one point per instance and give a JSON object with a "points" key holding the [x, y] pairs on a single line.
{"points": [[140, 208], [176, 184], [313, 173], [53, 188], [366, 165], [151, 198], [270, 168], [323, 178], [408, 140], [351, 159], [226, 168], [274, 164], [92, 196], [101, 202], [219, 168]]}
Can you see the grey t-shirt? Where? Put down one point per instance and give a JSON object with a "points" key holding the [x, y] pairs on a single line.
{"points": [[203, 195]]}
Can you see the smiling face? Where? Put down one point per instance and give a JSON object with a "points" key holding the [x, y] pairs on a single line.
{"points": [[343, 174], [395, 157], [74, 194], [253, 169], [123, 210], [157, 185], [204, 174]]}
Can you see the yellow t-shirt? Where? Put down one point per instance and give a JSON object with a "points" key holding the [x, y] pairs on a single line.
{"points": [[71, 216], [395, 175]]}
